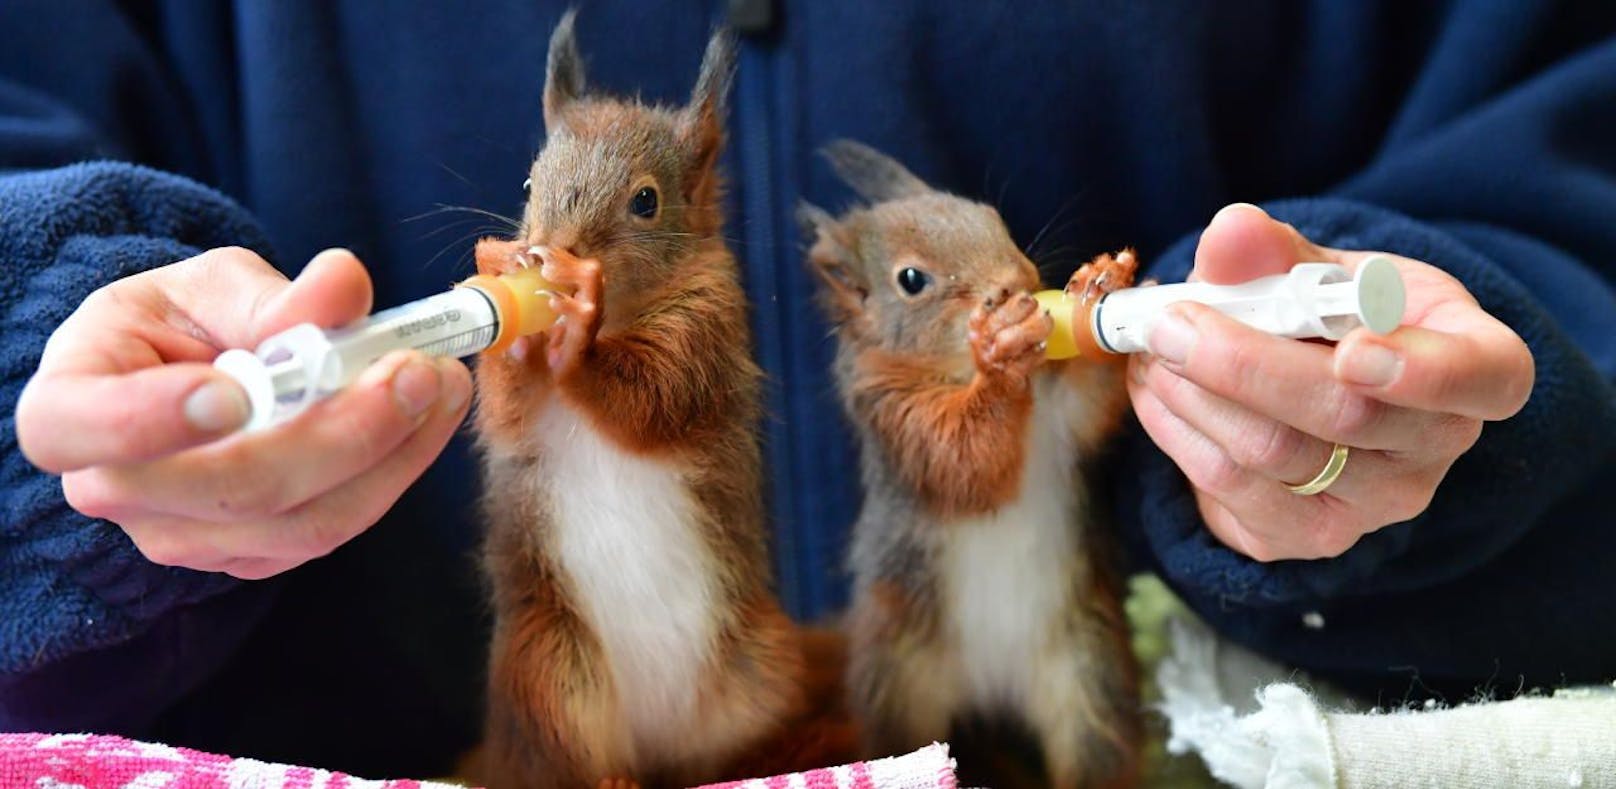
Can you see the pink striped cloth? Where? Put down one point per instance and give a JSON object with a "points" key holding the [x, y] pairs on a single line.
{"points": [[928, 768], [97, 761]]}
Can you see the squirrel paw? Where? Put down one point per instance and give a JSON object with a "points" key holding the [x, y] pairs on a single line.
{"points": [[1008, 333], [1103, 275], [497, 256], [579, 315]]}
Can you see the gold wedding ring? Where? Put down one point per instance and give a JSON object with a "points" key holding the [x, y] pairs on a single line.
{"points": [[1327, 477]]}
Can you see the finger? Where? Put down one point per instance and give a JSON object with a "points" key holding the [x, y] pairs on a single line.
{"points": [[1483, 372], [332, 290], [1243, 243], [1285, 380], [1257, 443], [1269, 526], [264, 474], [67, 422], [235, 298], [1272, 450], [1214, 474], [326, 522]]}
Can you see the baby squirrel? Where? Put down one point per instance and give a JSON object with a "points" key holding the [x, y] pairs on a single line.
{"points": [[636, 637], [979, 587]]}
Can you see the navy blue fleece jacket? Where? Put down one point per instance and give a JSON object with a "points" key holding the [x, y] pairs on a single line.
{"points": [[1476, 136]]}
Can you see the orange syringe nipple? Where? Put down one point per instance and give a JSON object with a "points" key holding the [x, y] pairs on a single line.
{"points": [[1072, 334], [521, 297]]}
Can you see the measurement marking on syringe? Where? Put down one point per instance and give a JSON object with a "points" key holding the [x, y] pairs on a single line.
{"points": [[460, 344]]}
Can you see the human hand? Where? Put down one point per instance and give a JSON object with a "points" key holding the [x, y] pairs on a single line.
{"points": [[1245, 414], [128, 409]]}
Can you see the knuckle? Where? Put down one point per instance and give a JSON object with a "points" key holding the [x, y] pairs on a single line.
{"points": [[1519, 381], [1220, 475], [1353, 415], [1269, 449], [1333, 542], [1455, 435], [160, 548], [89, 495], [319, 536], [1334, 533], [1411, 498], [249, 490], [1235, 368]]}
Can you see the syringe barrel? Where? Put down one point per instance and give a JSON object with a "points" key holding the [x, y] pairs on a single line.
{"points": [[1280, 305], [459, 322], [291, 370]]}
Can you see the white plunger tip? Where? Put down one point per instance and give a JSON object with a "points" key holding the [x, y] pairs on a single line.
{"points": [[253, 375], [1380, 295]]}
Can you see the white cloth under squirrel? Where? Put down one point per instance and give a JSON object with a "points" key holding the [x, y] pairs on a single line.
{"points": [[1253, 729]]}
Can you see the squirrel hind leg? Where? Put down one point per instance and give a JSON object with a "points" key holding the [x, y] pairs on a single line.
{"points": [[905, 689], [1088, 732]]}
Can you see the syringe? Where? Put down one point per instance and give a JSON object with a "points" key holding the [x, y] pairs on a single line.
{"points": [[1312, 300], [292, 370]]}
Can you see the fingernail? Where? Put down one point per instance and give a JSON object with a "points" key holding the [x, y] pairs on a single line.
{"points": [[217, 406], [416, 386], [1369, 365], [1172, 338], [457, 386]]}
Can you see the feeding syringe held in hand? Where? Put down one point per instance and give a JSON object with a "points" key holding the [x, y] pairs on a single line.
{"points": [[292, 370], [1313, 300]]}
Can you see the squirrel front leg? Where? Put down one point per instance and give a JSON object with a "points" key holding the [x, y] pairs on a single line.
{"points": [[961, 446], [670, 376]]}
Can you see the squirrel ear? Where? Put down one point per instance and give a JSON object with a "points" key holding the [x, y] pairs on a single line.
{"points": [[872, 174], [831, 257], [564, 74], [703, 122]]}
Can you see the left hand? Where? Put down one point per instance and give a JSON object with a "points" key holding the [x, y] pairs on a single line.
{"points": [[1245, 414]]}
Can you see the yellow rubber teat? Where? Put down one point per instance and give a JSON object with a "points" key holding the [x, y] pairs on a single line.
{"points": [[1071, 335], [522, 299], [1060, 344]]}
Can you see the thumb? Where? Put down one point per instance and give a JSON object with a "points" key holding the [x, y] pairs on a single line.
{"points": [[1242, 242], [71, 421], [332, 290]]}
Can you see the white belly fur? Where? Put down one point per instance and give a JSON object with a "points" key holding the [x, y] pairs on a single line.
{"points": [[1007, 575], [626, 535]]}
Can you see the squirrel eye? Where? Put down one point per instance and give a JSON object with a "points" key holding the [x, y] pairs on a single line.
{"points": [[644, 204], [913, 280], [527, 187]]}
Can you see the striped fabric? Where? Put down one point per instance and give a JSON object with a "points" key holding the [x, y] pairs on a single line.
{"points": [[95, 761], [928, 768]]}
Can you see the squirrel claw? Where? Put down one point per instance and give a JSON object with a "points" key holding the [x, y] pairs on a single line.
{"points": [[1011, 337], [1102, 275], [578, 315]]}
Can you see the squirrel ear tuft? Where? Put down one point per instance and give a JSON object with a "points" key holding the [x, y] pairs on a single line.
{"points": [[832, 258], [702, 122], [564, 73], [873, 175]]}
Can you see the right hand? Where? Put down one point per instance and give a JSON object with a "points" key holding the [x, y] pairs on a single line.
{"points": [[128, 409]]}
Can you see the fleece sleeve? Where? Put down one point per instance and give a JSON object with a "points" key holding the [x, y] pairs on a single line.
{"points": [[93, 636], [70, 584], [1513, 194]]}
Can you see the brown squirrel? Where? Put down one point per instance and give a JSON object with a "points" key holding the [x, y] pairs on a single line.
{"points": [[979, 587], [636, 636]]}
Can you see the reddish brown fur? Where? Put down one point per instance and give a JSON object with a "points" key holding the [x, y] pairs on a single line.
{"points": [[654, 355], [959, 447]]}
